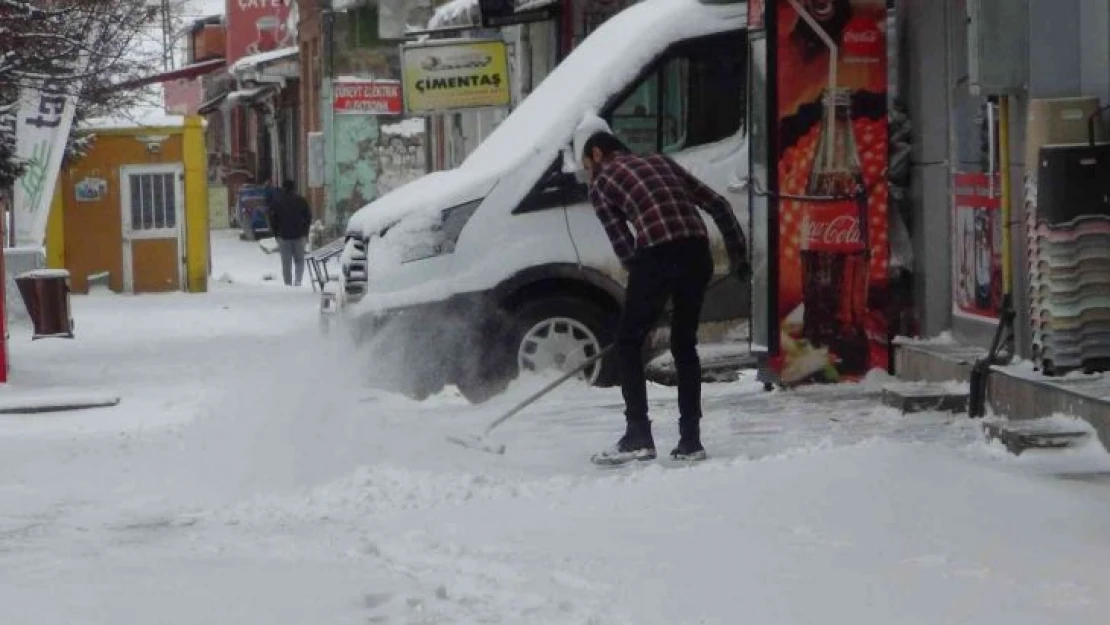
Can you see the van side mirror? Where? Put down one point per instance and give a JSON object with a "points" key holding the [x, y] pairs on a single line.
{"points": [[573, 169]]}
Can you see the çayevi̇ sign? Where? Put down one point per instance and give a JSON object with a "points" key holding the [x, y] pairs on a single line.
{"points": [[444, 76], [256, 26], [368, 97]]}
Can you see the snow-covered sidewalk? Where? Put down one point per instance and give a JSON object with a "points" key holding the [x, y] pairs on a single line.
{"points": [[250, 476]]}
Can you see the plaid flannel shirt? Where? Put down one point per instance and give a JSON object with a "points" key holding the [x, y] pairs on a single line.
{"points": [[661, 200]]}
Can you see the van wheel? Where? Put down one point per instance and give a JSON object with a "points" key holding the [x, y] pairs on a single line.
{"points": [[554, 333]]}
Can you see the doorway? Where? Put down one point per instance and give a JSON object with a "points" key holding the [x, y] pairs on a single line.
{"points": [[152, 215]]}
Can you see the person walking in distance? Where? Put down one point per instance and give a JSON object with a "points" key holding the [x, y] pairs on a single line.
{"points": [[667, 257], [290, 219]]}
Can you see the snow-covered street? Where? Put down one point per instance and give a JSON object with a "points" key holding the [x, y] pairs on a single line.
{"points": [[249, 476]]}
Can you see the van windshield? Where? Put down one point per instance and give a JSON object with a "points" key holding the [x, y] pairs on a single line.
{"points": [[602, 65]]}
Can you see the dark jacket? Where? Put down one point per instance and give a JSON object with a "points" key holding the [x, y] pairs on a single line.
{"points": [[289, 215]]}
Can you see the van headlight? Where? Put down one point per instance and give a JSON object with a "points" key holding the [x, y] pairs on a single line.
{"points": [[441, 237]]}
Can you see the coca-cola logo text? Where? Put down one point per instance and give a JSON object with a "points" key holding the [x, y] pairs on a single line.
{"points": [[871, 36], [863, 41], [841, 231]]}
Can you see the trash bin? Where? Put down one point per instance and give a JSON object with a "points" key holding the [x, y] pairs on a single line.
{"points": [[45, 293]]}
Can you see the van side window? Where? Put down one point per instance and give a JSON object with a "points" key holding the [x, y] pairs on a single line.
{"points": [[694, 96]]}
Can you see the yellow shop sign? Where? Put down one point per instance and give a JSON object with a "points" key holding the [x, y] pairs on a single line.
{"points": [[449, 75]]}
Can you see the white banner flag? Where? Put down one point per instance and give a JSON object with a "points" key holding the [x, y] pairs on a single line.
{"points": [[42, 127]]}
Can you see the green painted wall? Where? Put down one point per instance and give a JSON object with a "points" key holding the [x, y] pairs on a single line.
{"points": [[356, 140], [353, 140]]}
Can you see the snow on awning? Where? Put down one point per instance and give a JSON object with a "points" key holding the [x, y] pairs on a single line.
{"points": [[455, 14], [248, 95], [347, 5], [124, 121], [532, 5], [211, 105], [256, 61]]}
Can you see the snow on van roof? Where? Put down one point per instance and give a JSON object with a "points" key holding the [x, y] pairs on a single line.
{"points": [[546, 119], [543, 123]]}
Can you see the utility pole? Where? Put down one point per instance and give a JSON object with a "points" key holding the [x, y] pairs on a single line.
{"points": [[167, 36]]}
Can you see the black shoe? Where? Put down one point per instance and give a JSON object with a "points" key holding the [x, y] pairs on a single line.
{"points": [[689, 442], [688, 450], [636, 444]]}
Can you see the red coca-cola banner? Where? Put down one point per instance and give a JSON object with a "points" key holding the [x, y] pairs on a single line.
{"points": [[832, 176], [256, 26]]}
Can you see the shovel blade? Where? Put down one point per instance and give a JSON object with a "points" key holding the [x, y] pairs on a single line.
{"points": [[478, 443]]}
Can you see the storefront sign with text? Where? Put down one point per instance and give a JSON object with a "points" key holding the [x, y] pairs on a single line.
{"points": [[455, 75], [256, 26], [368, 97]]}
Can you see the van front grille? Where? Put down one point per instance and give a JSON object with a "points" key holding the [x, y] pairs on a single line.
{"points": [[355, 268]]}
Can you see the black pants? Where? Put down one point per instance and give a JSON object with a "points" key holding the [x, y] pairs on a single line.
{"points": [[679, 271]]}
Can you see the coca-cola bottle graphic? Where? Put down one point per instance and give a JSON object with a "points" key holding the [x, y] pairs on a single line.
{"points": [[834, 246]]}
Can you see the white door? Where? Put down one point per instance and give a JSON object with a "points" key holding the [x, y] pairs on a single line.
{"points": [[690, 106], [153, 228]]}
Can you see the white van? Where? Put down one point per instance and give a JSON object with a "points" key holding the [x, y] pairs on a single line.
{"points": [[501, 265]]}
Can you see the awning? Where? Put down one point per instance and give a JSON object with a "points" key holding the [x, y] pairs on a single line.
{"points": [[523, 6], [347, 5], [498, 13], [455, 14], [211, 105], [256, 61], [249, 95], [189, 71], [234, 97]]}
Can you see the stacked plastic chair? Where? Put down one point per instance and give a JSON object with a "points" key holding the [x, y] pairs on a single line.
{"points": [[1069, 260]]}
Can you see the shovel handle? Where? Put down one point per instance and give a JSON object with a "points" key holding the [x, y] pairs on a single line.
{"points": [[547, 389], [566, 376]]}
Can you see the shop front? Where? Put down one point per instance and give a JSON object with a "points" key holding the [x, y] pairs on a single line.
{"points": [[134, 210], [989, 102]]}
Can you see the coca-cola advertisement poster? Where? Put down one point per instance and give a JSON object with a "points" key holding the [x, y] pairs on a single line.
{"points": [[977, 260], [832, 153], [256, 26]]}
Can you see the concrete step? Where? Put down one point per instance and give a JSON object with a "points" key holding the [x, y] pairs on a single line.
{"points": [[914, 397], [720, 362], [1021, 436]]}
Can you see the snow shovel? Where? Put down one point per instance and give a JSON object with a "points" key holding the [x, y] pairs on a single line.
{"points": [[1003, 337], [479, 443]]}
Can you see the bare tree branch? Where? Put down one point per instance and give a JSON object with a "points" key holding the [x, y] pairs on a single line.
{"points": [[45, 40]]}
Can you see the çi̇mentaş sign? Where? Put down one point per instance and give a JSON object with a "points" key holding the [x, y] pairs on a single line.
{"points": [[460, 74]]}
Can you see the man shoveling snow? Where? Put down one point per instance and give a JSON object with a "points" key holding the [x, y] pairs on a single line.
{"points": [[667, 258]]}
